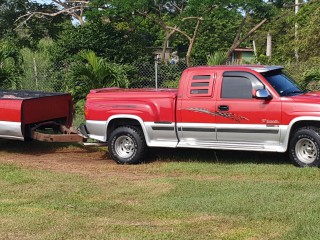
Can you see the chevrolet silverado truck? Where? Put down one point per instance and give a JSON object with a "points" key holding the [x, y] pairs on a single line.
{"points": [[26, 115], [253, 108]]}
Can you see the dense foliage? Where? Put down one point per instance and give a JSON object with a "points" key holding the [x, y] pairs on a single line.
{"points": [[121, 34]]}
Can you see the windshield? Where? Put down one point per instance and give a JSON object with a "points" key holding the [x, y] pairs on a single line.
{"points": [[283, 84]]}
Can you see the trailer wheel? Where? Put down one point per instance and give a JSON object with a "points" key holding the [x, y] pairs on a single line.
{"points": [[127, 145], [304, 148]]}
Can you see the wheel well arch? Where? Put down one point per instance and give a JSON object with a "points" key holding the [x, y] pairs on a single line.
{"points": [[303, 123], [118, 122]]}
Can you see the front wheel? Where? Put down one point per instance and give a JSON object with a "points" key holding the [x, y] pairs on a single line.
{"points": [[304, 147], [127, 145]]}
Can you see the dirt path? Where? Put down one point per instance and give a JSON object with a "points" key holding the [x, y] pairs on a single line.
{"points": [[60, 158], [93, 162]]}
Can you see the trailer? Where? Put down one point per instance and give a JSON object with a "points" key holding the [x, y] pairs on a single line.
{"points": [[43, 116]]}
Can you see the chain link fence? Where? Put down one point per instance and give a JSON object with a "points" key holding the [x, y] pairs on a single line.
{"points": [[43, 77], [157, 75]]}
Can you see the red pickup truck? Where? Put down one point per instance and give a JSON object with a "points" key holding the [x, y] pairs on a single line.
{"points": [[253, 108]]}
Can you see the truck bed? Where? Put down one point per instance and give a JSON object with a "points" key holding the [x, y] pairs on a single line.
{"points": [[135, 92], [20, 110], [149, 104]]}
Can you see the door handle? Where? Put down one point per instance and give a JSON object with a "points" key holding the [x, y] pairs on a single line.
{"points": [[223, 108]]}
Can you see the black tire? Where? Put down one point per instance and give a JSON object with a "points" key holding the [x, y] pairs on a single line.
{"points": [[304, 147], [127, 145]]}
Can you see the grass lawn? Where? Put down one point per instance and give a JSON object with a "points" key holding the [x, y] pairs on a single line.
{"points": [[188, 197]]}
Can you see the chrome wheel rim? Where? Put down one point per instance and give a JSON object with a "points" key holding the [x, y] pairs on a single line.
{"points": [[124, 146], [306, 150]]}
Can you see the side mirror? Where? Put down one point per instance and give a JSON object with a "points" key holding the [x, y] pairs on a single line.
{"points": [[263, 94]]}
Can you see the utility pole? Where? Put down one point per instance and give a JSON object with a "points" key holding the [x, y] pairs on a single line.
{"points": [[269, 47], [296, 26], [296, 10]]}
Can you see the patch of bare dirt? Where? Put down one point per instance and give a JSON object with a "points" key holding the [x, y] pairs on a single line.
{"points": [[93, 162]]}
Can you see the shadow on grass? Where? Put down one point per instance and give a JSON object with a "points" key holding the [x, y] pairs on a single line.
{"points": [[36, 147], [216, 156], [155, 154]]}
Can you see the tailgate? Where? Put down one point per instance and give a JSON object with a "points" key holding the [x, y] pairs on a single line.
{"points": [[46, 108]]}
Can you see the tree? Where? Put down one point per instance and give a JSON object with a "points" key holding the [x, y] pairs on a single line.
{"points": [[10, 61], [9, 12], [36, 29], [39, 72], [308, 42], [282, 27], [72, 8], [110, 40], [181, 20], [238, 39], [162, 13], [216, 33], [190, 38], [226, 24]]}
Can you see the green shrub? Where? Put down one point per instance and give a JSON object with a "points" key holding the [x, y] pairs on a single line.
{"points": [[307, 73], [10, 62], [218, 58]]}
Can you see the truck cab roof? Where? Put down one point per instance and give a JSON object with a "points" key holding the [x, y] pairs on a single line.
{"points": [[257, 68]]}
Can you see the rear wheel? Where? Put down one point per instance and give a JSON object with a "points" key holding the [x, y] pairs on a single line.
{"points": [[304, 148], [127, 145]]}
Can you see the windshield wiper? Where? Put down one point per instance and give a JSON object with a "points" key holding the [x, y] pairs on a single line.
{"points": [[287, 93]]}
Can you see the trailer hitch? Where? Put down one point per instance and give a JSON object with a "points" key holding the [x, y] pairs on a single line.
{"points": [[44, 132]]}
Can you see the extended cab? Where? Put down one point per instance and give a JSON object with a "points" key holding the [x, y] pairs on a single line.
{"points": [[254, 108]]}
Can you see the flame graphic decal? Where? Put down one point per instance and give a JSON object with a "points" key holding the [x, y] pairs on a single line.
{"points": [[228, 115]]}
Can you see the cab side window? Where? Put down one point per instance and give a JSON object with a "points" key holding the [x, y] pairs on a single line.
{"points": [[236, 87]]}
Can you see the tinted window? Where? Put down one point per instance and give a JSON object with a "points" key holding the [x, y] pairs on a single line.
{"points": [[201, 77], [199, 91], [200, 84], [236, 87], [283, 84]]}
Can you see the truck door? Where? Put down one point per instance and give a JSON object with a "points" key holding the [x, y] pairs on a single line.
{"points": [[242, 118], [195, 109]]}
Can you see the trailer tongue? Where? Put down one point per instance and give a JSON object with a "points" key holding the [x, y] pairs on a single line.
{"points": [[55, 132]]}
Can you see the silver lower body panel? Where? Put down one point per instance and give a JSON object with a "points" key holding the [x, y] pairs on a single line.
{"points": [[11, 130]]}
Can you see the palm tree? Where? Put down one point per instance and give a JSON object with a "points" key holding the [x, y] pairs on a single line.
{"points": [[102, 73], [97, 72]]}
